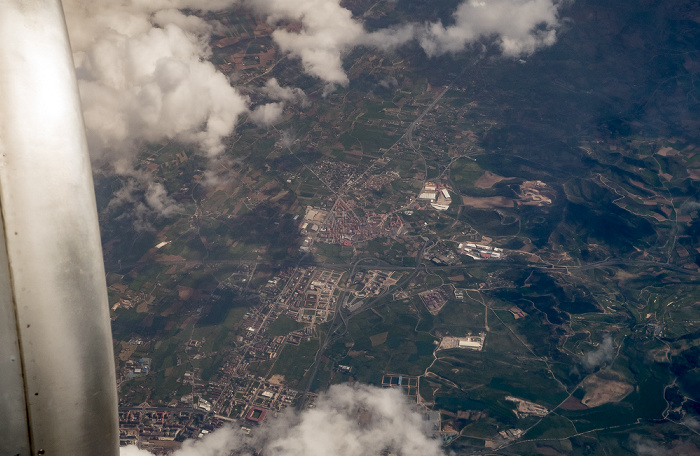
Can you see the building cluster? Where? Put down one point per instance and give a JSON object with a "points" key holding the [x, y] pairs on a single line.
{"points": [[202, 402], [252, 345], [237, 393], [525, 408], [138, 369], [511, 434], [254, 393], [262, 348], [377, 181], [333, 173], [409, 384], [342, 226], [437, 195], [444, 257], [248, 401], [157, 429], [130, 298], [345, 228], [434, 299], [517, 312], [310, 295], [257, 346], [480, 252], [468, 342], [373, 282]]}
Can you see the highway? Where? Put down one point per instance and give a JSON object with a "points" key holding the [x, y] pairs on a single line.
{"points": [[342, 316], [506, 263], [339, 327]]}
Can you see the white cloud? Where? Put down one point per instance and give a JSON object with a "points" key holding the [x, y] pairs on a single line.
{"points": [[140, 200], [144, 77], [144, 74], [389, 82], [604, 354], [158, 199], [352, 421], [328, 31], [133, 451], [275, 91], [192, 24], [519, 26], [267, 114], [345, 421]]}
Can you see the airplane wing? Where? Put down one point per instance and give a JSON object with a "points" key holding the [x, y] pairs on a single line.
{"points": [[58, 392]]}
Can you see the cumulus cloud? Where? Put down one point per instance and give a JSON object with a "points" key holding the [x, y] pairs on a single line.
{"points": [[143, 76], [604, 354], [271, 113], [389, 83], [158, 199], [144, 72], [345, 421], [327, 31], [520, 27], [267, 114], [140, 200], [287, 139], [275, 91]]}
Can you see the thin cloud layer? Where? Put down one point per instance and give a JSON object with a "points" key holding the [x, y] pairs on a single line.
{"points": [[345, 421]]}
